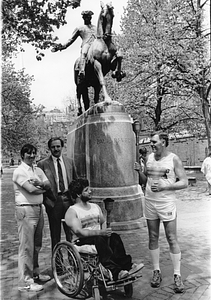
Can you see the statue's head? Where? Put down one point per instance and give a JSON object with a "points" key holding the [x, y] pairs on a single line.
{"points": [[87, 14]]}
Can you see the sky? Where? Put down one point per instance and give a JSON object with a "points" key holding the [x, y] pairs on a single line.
{"points": [[54, 75]]}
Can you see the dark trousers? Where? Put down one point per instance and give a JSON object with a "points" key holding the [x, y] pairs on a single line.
{"points": [[55, 216], [112, 254]]}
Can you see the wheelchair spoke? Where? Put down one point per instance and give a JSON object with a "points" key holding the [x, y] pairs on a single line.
{"points": [[67, 269]]}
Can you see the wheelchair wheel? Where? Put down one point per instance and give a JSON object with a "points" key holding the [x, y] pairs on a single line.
{"points": [[128, 290], [67, 269]]}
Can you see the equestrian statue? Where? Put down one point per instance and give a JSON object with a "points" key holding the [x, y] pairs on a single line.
{"points": [[98, 56]]}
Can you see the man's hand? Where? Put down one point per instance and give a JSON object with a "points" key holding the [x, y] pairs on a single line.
{"points": [[137, 167], [57, 47], [106, 232], [36, 183], [155, 186], [158, 186]]}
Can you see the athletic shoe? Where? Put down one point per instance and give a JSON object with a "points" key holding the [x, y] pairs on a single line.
{"points": [[156, 279], [43, 278], [178, 284], [135, 268], [122, 274], [34, 287]]}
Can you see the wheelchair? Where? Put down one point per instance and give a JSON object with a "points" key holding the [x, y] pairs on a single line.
{"points": [[80, 275]]}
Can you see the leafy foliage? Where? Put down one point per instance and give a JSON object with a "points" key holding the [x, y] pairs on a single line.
{"points": [[164, 57], [17, 111], [32, 21], [25, 21]]}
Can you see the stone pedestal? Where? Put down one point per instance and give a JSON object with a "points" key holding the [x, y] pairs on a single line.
{"points": [[102, 144]]}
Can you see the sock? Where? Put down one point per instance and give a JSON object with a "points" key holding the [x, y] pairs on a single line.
{"points": [[176, 260], [155, 254]]}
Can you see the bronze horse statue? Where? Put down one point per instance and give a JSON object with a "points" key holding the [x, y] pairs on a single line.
{"points": [[102, 57]]}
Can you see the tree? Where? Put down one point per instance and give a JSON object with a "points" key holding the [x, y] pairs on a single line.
{"points": [[25, 21], [160, 47], [32, 21], [22, 121], [202, 80], [17, 111]]}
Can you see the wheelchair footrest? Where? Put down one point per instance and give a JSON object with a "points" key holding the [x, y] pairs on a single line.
{"points": [[113, 285]]}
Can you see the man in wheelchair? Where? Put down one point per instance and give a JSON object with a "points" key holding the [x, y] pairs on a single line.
{"points": [[86, 221]]}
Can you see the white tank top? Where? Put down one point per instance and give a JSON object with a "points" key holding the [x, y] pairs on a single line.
{"points": [[161, 170], [90, 219]]}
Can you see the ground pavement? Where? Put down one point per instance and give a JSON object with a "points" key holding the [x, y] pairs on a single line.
{"points": [[194, 220]]}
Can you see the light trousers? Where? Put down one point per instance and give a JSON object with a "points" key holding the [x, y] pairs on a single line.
{"points": [[30, 222]]}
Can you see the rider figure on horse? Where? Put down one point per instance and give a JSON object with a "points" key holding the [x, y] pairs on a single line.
{"points": [[99, 56], [88, 33]]}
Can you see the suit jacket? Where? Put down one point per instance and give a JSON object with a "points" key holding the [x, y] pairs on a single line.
{"points": [[47, 165]]}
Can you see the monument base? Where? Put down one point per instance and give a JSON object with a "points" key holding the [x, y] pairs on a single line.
{"points": [[128, 225], [103, 146], [127, 207]]}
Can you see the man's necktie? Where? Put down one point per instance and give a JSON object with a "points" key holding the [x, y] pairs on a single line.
{"points": [[61, 180]]}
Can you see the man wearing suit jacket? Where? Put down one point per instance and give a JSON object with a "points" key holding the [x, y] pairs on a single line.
{"points": [[60, 171]]}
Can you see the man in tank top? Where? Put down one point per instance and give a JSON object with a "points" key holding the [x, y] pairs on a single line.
{"points": [[86, 220], [164, 174]]}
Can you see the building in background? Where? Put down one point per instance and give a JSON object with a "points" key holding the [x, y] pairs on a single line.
{"points": [[57, 123]]}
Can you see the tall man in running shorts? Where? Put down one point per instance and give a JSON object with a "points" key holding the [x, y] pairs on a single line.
{"points": [[164, 174]]}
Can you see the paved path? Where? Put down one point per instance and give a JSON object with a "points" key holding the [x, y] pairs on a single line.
{"points": [[194, 231]]}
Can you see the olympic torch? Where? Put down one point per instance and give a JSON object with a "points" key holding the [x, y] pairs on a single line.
{"points": [[109, 204], [136, 129]]}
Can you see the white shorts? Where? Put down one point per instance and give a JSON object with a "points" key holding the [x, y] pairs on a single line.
{"points": [[165, 211]]}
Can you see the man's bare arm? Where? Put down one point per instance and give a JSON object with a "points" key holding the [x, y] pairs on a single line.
{"points": [[30, 188], [60, 47], [74, 223], [182, 181], [142, 175]]}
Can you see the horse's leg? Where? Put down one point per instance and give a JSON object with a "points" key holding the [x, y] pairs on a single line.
{"points": [[116, 64], [97, 89], [78, 92], [78, 95], [99, 73], [85, 96]]}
